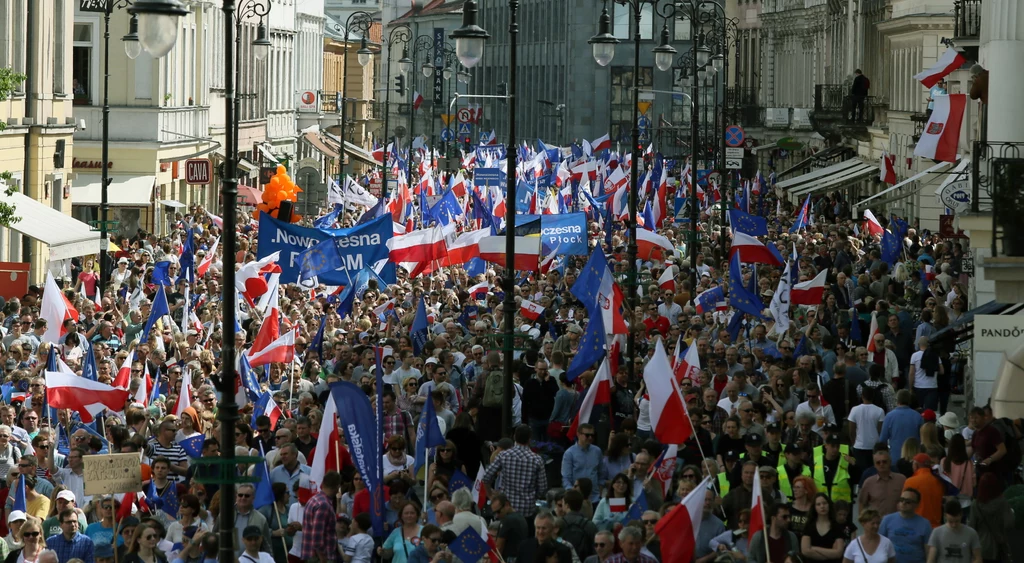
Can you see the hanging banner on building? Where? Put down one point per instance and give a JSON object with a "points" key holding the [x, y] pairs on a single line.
{"points": [[438, 66], [366, 245]]}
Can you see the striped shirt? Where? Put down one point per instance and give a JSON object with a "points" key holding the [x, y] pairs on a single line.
{"points": [[174, 453]]}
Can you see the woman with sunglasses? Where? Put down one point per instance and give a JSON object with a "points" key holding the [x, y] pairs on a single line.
{"points": [[144, 548], [447, 461], [33, 543]]}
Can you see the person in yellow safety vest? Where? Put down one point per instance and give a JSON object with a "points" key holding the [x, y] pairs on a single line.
{"points": [[790, 467], [723, 484], [831, 470]]}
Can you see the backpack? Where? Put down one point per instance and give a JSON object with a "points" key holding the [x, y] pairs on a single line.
{"points": [[494, 388], [575, 533]]}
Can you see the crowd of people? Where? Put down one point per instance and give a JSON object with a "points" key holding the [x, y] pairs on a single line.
{"points": [[848, 428]]}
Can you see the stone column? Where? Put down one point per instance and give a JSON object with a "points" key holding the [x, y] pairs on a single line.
{"points": [[1002, 50]]}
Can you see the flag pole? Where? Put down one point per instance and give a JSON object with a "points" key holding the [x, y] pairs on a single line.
{"points": [[291, 384], [280, 526], [426, 474]]}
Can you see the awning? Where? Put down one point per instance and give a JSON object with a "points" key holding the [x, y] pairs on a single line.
{"points": [[212, 148], [66, 236], [932, 169], [312, 138], [124, 191], [355, 151], [818, 175], [267, 155], [963, 328], [172, 203], [849, 175], [819, 156], [247, 167], [252, 195]]}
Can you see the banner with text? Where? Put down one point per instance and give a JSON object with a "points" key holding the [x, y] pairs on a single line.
{"points": [[564, 234]]}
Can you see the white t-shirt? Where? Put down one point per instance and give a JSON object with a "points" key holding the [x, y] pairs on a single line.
{"points": [[866, 417], [359, 547], [884, 552], [390, 467], [264, 557], [921, 381], [728, 405], [295, 513]]}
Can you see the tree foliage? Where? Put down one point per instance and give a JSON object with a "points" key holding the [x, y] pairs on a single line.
{"points": [[9, 80]]}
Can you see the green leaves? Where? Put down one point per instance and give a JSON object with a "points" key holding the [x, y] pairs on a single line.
{"points": [[9, 80]]}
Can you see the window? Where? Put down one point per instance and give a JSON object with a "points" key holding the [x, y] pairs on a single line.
{"points": [[622, 99], [59, 17], [18, 21], [622, 16], [681, 104], [82, 64], [682, 30]]}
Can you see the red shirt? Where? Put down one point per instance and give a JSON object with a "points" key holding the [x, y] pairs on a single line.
{"points": [[660, 323]]}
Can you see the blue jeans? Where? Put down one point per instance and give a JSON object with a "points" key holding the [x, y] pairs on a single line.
{"points": [[927, 398]]}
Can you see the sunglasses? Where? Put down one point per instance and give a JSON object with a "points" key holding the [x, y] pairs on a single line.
{"points": [[600, 544], [30, 534], [437, 497], [243, 495]]}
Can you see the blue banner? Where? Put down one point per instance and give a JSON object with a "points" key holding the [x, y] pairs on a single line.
{"points": [[566, 232], [365, 246], [488, 177], [360, 427]]}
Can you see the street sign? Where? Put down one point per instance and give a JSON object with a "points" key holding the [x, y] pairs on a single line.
{"points": [[464, 115], [438, 82], [714, 178], [446, 118], [464, 129], [643, 122], [734, 136], [198, 171], [484, 137], [733, 158], [447, 135], [644, 106]]}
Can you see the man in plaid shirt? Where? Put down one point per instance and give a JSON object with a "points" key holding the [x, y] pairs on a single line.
{"points": [[319, 538], [396, 421], [522, 474]]}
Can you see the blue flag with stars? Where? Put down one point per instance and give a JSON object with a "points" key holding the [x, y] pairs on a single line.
{"points": [[19, 495], [193, 446], [469, 546], [317, 345], [169, 500], [591, 348], [708, 301], [890, 248], [637, 509], [156, 312], [445, 210], [252, 387], [740, 298], [458, 481], [420, 330], [264, 494], [428, 434], [748, 224]]}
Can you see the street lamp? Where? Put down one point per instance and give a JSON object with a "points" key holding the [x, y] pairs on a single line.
{"points": [[400, 35], [362, 22], [469, 48], [158, 26], [261, 46], [427, 69], [603, 44], [664, 53], [132, 45]]}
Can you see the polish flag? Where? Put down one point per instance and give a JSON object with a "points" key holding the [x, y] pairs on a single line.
{"points": [[55, 309], [669, 420], [280, 351], [872, 332], [652, 245], [665, 466], [492, 139], [479, 490], [599, 393], [216, 220], [679, 528], [666, 281], [527, 252], [466, 246], [756, 523], [269, 408], [689, 367], [752, 250], [270, 330], [145, 389], [328, 443], [809, 292], [424, 245], [250, 282], [479, 291], [887, 168], [87, 397], [530, 310], [185, 396], [417, 100], [941, 135], [602, 143], [208, 258], [871, 223], [617, 504], [459, 185], [947, 63], [124, 375]]}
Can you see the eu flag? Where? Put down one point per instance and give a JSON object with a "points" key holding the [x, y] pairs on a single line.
{"points": [[428, 434], [591, 348], [637, 509], [890, 247], [420, 330], [264, 494], [193, 446], [156, 312], [372, 213], [323, 257], [469, 546], [748, 224], [708, 300], [161, 273], [458, 481], [741, 298], [170, 500], [19, 495], [328, 220], [317, 344], [445, 210]]}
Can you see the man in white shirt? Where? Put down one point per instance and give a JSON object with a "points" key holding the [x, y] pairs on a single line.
{"points": [[669, 309], [357, 546], [732, 398], [925, 369], [865, 426], [823, 415]]}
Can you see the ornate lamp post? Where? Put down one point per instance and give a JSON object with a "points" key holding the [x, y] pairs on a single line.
{"points": [[361, 22]]}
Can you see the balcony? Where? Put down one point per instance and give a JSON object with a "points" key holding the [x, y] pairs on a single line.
{"points": [[997, 172], [834, 112], [741, 107], [145, 124], [966, 20]]}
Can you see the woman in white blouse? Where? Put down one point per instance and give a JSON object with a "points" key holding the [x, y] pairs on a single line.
{"points": [[870, 547]]}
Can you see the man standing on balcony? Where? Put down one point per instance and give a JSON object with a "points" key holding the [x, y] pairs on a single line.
{"points": [[938, 90], [858, 95]]}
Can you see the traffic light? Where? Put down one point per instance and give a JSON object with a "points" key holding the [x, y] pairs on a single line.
{"points": [[400, 84]]}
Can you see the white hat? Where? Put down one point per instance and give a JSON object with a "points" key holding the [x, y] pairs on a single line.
{"points": [[949, 420], [66, 495], [15, 516]]}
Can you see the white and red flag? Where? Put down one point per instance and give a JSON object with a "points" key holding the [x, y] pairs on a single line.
{"points": [[887, 168], [871, 223], [55, 309], [530, 310], [602, 143], [85, 396], [599, 393], [941, 136], [872, 332], [666, 281], [679, 528], [947, 63], [479, 291], [689, 367], [756, 522], [752, 250], [669, 419], [326, 453], [479, 490], [665, 466], [184, 396], [417, 100], [809, 292], [280, 351]]}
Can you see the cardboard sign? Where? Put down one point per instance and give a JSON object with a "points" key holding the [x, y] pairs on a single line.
{"points": [[112, 473]]}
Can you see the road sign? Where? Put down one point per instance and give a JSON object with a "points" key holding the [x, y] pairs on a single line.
{"points": [[731, 152], [446, 118], [643, 122], [733, 163], [734, 136], [484, 137], [198, 171], [464, 128], [465, 116], [714, 178], [644, 106], [447, 135]]}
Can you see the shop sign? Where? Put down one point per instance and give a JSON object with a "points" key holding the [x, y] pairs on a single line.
{"points": [[90, 164], [997, 333]]}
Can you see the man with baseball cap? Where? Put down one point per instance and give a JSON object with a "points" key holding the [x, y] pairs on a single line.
{"points": [[932, 491], [253, 539], [65, 499]]}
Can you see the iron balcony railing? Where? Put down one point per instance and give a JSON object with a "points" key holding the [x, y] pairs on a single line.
{"points": [[997, 172]]}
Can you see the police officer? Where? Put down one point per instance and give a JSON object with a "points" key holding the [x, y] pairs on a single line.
{"points": [[791, 467], [772, 449], [832, 470]]}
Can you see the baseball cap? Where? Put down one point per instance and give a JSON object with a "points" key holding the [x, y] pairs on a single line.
{"points": [[731, 455], [16, 515], [773, 427], [66, 495], [923, 459], [928, 415], [753, 439], [252, 532], [833, 440]]}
